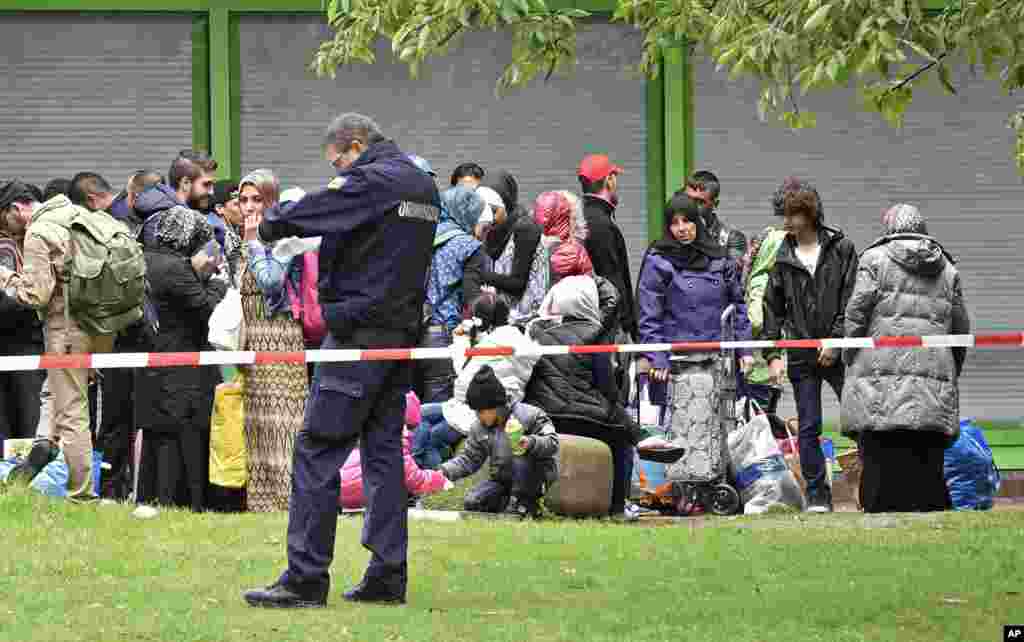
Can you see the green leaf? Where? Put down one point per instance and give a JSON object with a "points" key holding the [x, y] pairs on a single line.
{"points": [[920, 50], [819, 75], [537, 39], [886, 40], [575, 13], [946, 80], [832, 69], [817, 18]]}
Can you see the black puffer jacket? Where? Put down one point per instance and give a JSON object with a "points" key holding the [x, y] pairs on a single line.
{"points": [[174, 397], [578, 386]]}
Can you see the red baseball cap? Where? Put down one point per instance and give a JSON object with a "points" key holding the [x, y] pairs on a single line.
{"points": [[596, 167]]}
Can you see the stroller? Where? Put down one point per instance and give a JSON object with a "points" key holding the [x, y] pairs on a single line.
{"points": [[703, 478]]}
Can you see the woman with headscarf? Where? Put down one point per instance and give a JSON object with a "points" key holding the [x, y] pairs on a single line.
{"points": [[560, 216], [903, 404], [578, 391], [520, 264], [173, 471], [275, 394], [454, 282], [686, 283]]}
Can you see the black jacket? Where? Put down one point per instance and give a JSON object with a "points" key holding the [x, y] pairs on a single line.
{"points": [[174, 397], [809, 307], [607, 249], [578, 386]]}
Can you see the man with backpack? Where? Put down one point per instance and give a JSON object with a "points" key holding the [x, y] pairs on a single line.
{"points": [[64, 244]]}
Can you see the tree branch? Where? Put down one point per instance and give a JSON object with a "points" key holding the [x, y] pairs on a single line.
{"points": [[921, 70]]}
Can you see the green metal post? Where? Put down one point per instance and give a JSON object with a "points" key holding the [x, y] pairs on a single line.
{"points": [[678, 118], [655, 105], [201, 82], [223, 119]]}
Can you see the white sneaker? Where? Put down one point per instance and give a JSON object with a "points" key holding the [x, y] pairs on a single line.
{"points": [[145, 512]]}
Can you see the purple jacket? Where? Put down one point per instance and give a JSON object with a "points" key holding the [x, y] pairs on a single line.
{"points": [[680, 304]]}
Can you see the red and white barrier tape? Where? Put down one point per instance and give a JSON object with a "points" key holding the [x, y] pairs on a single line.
{"points": [[171, 359]]}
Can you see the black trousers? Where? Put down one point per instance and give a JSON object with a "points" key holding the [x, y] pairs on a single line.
{"points": [[117, 429], [903, 472], [520, 478], [173, 470], [20, 403]]}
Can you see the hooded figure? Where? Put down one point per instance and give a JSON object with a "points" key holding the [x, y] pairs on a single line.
{"points": [[148, 205], [454, 282], [578, 391], [560, 215], [176, 415], [903, 403], [514, 243]]}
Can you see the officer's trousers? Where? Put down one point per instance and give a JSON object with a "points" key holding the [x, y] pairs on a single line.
{"points": [[348, 402]]}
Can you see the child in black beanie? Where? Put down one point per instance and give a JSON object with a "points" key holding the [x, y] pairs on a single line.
{"points": [[520, 442]]}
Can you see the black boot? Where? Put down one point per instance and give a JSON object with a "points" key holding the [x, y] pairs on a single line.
{"points": [[380, 589], [43, 452], [279, 596]]}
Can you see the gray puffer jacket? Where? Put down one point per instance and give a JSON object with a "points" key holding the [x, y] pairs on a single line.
{"points": [[491, 443], [906, 286]]}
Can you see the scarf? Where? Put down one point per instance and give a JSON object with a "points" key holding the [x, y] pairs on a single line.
{"points": [[695, 255], [461, 208], [506, 186], [183, 231]]}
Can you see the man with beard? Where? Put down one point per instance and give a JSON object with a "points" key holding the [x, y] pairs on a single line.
{"points": [[191, 176]]}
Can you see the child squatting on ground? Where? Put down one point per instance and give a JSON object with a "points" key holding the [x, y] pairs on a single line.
{"points": [[520, 442]]}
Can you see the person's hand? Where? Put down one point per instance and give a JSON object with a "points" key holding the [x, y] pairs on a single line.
{"points": [[775, 371], [204, 264], [448, 484], [659, 374], [746, 364], [252, 226], [524, 443], [826, 357]]}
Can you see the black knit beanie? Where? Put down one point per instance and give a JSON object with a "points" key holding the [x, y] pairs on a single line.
{"points": [[485, 392], [14, 191]]}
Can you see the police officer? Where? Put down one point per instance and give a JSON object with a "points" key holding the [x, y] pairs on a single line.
{"points": [[377, 220]]}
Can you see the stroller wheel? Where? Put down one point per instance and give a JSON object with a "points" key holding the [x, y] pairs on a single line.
{"points": [[724, 500]]}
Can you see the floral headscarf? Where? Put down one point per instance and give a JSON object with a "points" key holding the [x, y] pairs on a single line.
{"points": [[903, 219], [183, 230]]}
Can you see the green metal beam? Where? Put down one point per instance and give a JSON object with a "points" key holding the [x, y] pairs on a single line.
{"points": [[679, 125], [201, 82], [655, 105], [168, 6], [223, 119]]}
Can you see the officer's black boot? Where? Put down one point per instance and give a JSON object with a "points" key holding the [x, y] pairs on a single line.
{"points": [[380, 589], [280, 596]]}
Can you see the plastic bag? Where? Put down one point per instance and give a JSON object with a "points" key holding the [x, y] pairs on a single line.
{"points": [[51, 481], [229, 458], [970, 470], [226, 322], [762, 476]]}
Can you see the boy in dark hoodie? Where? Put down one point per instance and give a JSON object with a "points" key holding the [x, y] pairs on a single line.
{"points": [[520, 442], [813, 278]]}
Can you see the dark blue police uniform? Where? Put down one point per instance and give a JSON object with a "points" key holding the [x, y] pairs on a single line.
{"points": [[377, 220]]}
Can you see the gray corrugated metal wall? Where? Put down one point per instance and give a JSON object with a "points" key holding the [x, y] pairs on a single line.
{"points": [[450, 114], [84, 92], [953, 158]]}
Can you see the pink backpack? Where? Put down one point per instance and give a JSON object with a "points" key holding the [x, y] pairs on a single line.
{"points": [[305, 304]]}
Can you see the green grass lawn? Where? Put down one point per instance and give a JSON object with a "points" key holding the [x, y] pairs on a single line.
{"points": [[73, 573]]}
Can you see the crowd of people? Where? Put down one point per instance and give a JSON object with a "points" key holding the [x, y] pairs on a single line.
{"points": [[502, 272]]}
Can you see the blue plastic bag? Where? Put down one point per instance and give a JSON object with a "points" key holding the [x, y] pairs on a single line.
{"points": [[52, 480], [970, 470]]}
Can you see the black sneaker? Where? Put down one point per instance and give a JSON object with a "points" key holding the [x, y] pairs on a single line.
{"points": [[279, 596], [820, 502]]}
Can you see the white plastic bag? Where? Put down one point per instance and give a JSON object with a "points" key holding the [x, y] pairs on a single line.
{"points": [[757, 464], [226, 322]]}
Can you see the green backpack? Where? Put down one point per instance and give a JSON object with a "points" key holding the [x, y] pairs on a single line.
{"points": [[106, 274]]}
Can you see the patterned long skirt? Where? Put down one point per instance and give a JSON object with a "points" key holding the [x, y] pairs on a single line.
{"points": [[695, 423], [275, 401]]}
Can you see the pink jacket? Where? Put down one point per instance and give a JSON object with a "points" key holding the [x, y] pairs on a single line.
{"points": [[417, 480]]}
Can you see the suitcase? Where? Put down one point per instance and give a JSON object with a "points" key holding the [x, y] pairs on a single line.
{"points": [[584, 486]]}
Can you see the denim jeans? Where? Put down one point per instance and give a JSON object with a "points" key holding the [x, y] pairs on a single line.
{"points": [[434, 439], [435, 378], [807, 382]]}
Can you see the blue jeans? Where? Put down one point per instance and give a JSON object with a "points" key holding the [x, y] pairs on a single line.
{"points": [[807, 381], [434, 438]]}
